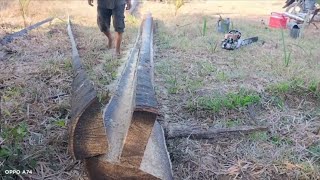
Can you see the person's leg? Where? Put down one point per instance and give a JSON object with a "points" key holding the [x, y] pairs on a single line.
{"points": [[110, 40], [104, 20], [118, 42], [118, 24]]}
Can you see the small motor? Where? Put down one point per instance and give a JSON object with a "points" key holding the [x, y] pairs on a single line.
{"points": [[231, 40]]}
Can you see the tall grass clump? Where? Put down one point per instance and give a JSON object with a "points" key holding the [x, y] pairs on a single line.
{"points": [[24, 6], [287, 55], [204, 27], [178, 4]]}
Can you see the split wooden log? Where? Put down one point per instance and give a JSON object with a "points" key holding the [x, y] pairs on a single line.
{"points": [[137, 148], [9, 38], [146, 106], [198, 132], [87, 135], [102, 170]]}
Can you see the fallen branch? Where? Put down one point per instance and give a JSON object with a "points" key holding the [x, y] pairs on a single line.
{"points": [[198, 132], [9, 38]]}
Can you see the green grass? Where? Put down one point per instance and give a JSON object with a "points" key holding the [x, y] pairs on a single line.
{"points": [[286, 55], [229, 101], [222, 76], [173, 85], [131, 19], [60, 123], [205, 68], [298, 86], [68, 65], [232, 123], [11, 152], [274, 139], [165, 40], [204, 27], [315, 149], [193, 85], [259, 136]]}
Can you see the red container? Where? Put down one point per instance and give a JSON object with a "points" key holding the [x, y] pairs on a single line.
{"points": [[278, 20]]}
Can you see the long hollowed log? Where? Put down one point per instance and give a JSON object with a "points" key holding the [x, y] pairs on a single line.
{"points": [[9, 38], [87, 135], [137, 148], [145, 112]]}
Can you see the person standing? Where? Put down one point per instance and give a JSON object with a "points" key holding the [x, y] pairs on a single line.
{"points": [[114, 8]]}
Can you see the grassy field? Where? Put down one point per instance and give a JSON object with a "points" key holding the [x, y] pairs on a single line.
{"points": [[34, 117], [198, 83]]}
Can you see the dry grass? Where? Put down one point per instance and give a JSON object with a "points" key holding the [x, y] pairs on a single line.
{"points": [[34, 122], [188, 69]]}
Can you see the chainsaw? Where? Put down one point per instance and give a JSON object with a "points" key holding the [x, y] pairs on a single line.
{"points": [[232, 40]]}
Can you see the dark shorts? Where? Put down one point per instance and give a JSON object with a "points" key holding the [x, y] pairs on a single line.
{"points": [[104, 18]]}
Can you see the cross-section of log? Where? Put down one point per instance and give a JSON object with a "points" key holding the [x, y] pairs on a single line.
{"points": [[87, 134], [9, 38]]}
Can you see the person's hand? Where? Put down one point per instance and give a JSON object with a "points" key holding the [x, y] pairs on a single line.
{"points": [[128, 6], [90, 2]]}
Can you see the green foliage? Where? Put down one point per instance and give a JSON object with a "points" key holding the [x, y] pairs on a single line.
{"points": [[280, 88], [205, 68], [173, 84], [204, 27], [229, 101], [296, 86], [232, 123], [11, 92], [60, 123], [259, 136], [165, 40], [131, 19], [11, 150], [68, 65], [315, 149], [193, 85], [287, 55], [213, 46], [277, 101], [222, 76], [313, 87]]}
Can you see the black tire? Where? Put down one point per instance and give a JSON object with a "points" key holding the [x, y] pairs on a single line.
{"points": [[295, 8]]}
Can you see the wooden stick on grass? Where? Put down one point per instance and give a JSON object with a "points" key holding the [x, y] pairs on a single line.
{"points": [[197, 132]]}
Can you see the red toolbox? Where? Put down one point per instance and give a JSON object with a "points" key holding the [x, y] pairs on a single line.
{"points": [[278, 20]]}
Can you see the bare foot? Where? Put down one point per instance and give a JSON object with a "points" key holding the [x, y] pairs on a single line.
{"points": [[116, 55], [110, 44]]}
